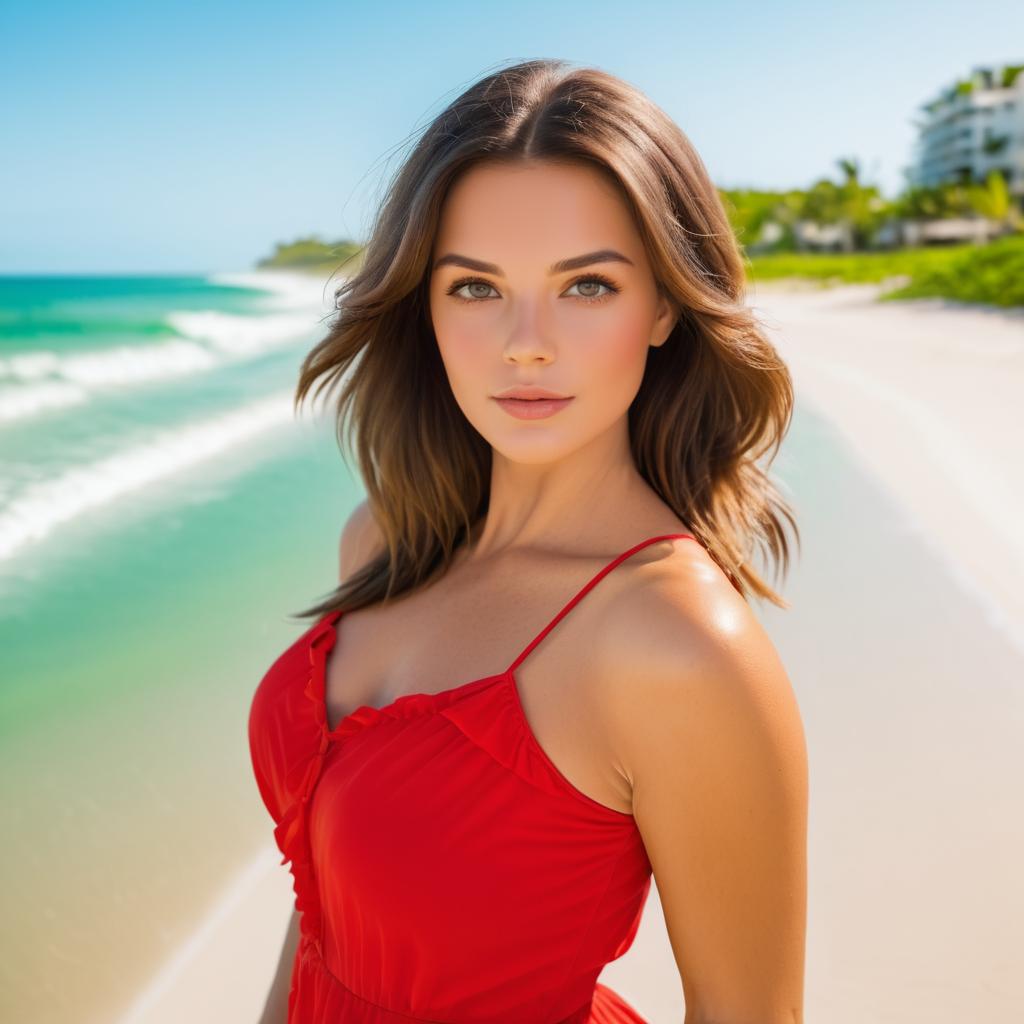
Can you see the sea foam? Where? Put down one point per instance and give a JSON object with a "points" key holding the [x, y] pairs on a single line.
{"points": [[41, 506]]}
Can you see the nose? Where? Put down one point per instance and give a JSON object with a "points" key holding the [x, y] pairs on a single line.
{"points": [[527, 341]]}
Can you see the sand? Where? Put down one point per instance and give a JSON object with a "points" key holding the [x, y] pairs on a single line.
{"points": [[928, 396], [903, 643]]}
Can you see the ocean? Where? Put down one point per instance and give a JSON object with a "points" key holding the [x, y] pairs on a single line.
{"points": [[163, 516]]}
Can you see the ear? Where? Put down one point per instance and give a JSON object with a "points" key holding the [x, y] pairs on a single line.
{"points": [[668, 317]]}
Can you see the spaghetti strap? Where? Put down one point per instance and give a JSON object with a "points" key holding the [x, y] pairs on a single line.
{"points": [[592, 582], [504, 890]]}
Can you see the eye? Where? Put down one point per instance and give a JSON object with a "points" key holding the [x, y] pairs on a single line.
{"points": [[472, 282], [475, 282], [601, 282]]}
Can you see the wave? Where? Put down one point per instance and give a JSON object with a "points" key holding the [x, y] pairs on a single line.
{"points": [[286, 288], [233, 335], [41, 325], [34, 382], [42, 506]]}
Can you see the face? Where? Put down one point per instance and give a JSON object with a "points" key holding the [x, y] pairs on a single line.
{"points": [[507, 314]]}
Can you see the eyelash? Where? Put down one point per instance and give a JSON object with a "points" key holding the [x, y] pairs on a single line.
{"points": [[599, 278]]}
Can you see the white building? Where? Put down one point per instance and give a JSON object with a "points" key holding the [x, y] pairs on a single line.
{"points": [[973, 127]]}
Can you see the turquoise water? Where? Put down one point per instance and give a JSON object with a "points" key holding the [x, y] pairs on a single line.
{"points": [[163, 515]]}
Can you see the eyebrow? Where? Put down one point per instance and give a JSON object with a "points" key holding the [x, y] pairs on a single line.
{"points": [[561, 267]]}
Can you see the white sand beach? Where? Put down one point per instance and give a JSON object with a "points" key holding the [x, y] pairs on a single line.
{"points": [[927, 394], [903, 643]]}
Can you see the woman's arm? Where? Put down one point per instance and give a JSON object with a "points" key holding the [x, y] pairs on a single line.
{"points": [[360, 539], [708, 732], [275, 1010]]}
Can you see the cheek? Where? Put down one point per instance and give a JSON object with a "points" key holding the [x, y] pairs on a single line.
{"points": [[600, 352], [466, 353], [611, 348]]}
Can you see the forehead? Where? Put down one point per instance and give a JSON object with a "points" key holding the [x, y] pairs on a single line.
{"points": [[547, 206]]}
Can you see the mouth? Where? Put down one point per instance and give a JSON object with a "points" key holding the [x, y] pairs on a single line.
{"points": [[529, 391], [532, 408]]}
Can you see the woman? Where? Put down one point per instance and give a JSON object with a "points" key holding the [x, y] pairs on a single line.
{"points": [[550, 375]]}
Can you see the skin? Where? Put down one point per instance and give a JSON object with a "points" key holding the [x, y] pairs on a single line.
{"points": [[694, 707], [524, 325], [699, 714], [660, 695]]}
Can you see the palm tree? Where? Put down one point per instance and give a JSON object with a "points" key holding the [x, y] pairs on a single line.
{"points": [[860, 205], [992, 200]]}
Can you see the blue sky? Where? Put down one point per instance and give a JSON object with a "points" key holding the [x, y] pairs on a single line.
{"points": [[192, 137]]}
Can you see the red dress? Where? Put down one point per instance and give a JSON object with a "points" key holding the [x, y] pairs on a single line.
{"points": [[444, 869]]}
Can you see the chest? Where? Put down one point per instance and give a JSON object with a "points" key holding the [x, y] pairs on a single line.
{"points": [[447, 848], [443, 637]]}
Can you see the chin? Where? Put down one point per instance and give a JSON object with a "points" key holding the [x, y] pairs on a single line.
{"points": [[538, 450]]}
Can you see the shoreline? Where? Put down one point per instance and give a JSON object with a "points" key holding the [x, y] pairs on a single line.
{"points": [[190, 985], [924, 394], [921, 393]]}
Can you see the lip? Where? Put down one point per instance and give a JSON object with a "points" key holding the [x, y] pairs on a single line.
{"points": [[529, 391], [532, 408]]}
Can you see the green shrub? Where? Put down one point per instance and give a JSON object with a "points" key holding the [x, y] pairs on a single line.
{"points": [[992, 273]]}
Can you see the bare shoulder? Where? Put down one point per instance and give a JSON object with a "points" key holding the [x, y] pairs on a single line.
{"points": [[673, 610], [682, 653], [707, 732], [361, 540]]}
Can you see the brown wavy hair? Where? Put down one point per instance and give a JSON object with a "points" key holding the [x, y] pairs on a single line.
{"points": [[714, 401]]}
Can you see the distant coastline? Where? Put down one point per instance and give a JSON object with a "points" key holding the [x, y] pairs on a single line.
{"points": [[312, 255], [991, 274]]}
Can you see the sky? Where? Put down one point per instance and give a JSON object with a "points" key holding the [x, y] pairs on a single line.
{"points": [[193, 137]]}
